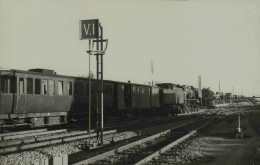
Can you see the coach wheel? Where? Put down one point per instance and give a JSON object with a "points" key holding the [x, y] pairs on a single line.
{"points": [[187, 108], [182, 109], [240, 135], [192, 109]]}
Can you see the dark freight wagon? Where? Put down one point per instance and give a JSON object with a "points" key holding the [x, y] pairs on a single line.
{"points": [[80, 108], [131, 98], [155, 97]]}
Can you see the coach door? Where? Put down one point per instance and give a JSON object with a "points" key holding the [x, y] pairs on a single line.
{"points": [[134, 96], [128, 98], [21, 96], [120, 94], [7, 94]]}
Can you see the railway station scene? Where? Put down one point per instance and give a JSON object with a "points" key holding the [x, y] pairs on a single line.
{"points": [[157, 82]]}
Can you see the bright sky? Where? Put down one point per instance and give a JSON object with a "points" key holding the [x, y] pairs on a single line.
{"points": [[217, 39]]}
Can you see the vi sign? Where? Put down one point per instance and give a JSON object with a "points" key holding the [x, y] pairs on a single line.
{"points": [[88, 29]]}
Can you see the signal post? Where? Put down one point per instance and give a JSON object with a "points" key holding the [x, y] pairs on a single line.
{"points": [[93, 31]]}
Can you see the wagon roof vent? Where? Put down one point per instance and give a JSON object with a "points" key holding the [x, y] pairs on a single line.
{"points": [[46, 71]]}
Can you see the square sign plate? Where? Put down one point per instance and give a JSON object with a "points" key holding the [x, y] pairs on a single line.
{"points": [[88, 29]]}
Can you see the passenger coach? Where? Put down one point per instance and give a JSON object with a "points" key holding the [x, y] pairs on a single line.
{"points": [[36, 97]]}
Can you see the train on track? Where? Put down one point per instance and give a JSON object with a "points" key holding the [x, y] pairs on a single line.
{"points": [[40, 97]]}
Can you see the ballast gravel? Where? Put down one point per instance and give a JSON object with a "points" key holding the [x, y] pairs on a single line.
{"points": [[191, 151], [39, 154]]}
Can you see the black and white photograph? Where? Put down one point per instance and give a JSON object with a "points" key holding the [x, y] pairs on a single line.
{"points": [[130, 82]]}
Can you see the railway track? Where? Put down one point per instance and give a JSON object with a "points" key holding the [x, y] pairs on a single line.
{"points": [[73, 147], [81, 124], [143, 150], [148, 122], [31, 153], [25, 140], [119, 124]]}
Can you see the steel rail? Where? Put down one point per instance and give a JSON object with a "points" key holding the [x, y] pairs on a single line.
{"points": [[176, 142], [33, 143], [21, 132], [125, 147]]}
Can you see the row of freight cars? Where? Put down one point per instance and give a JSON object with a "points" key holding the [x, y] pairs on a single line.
{"points": [[40, 97]]}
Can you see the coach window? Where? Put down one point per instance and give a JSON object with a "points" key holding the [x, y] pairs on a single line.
{"points": [[44, 87], [70, 88], [60, 87], [21, 85], [51, 87], [4, 84], [37, 86], [29, 86], [13, 84]]}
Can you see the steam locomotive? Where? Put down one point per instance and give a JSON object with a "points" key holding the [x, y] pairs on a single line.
{"points": [[40, 97]]}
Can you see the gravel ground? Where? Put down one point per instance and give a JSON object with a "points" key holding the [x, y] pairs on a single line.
{"points": [[194, 150], [32, 156]]}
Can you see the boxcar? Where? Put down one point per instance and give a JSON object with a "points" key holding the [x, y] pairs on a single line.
{"points": [[144, 97], [80, 108], [155, 97], [131, 98]]}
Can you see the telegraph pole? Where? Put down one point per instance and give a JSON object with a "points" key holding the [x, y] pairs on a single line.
{"points": [[219, 88], [152, 70], [233, 94], [200, 92]]}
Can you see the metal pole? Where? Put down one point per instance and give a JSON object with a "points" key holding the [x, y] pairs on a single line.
{"points": [[89, 92], [233, 95], [98, 92], [102, 116], [238, 121], [219, 87], [200, 90]]}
